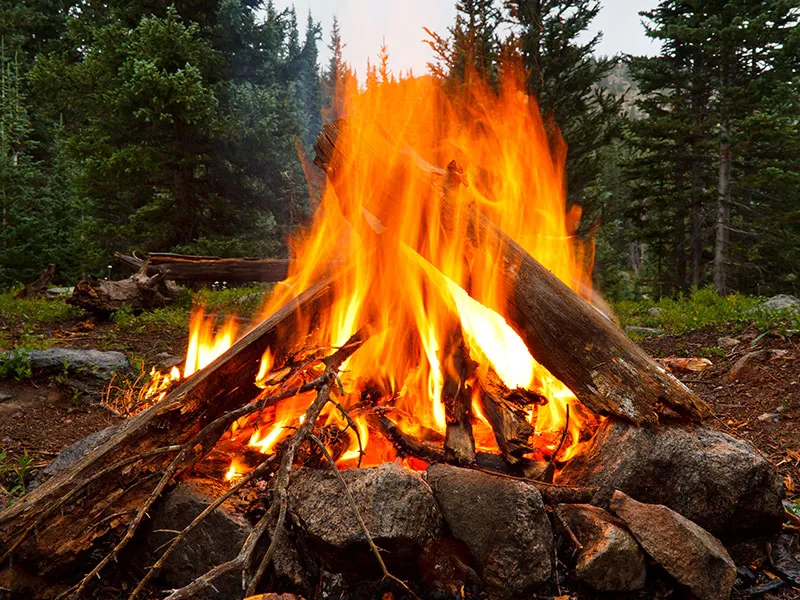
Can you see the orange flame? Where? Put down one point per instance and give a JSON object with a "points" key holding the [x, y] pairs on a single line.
{"points": [[414, 276]]}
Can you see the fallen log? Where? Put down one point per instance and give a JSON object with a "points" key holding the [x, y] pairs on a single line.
{"points": [[38, 288], [55, 524], [607, 372], [180, 267], [140, 291]]}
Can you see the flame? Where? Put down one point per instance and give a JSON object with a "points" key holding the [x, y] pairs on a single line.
{"points": [[414, 276]]}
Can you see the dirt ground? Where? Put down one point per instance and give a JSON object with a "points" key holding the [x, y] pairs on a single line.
{"points": [[42, 416]]}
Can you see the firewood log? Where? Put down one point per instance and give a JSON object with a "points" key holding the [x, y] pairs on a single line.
{"points": [[210, 268], [608, 373], [459, 443], [56, 523], [140, 292]]}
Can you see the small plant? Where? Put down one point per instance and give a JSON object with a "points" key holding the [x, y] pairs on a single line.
{"points": [[16, 364], [713, 352], [13, 473]]}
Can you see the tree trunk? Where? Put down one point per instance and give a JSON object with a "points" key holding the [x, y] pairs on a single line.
{"points": [[723, 222], [608, 373]]}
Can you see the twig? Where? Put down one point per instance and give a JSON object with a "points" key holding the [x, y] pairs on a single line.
{"points": [[352, 425], [550, 469], [354, 506]]}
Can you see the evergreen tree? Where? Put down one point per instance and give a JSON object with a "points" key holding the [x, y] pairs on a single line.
{"points": [[563, 77]]}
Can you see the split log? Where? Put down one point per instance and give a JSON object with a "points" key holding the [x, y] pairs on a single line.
{"points": [[180, 267], [608, 373], [459, 443], [37, 289], [55, 524], [140, 292], [506, 412]]}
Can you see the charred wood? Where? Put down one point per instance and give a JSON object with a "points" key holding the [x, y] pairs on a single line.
{"points": [[459, 443]]}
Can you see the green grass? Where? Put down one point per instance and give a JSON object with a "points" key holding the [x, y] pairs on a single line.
{"points": [[704, 308], [13, 473]]}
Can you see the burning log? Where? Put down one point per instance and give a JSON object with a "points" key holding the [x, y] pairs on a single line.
{"points": [[607, 372], [116, 483], [181, 267], [459, 443], [140, 291], [505, 411]]}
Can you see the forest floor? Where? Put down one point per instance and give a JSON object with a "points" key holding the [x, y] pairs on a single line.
{"points": [[39, 417]]}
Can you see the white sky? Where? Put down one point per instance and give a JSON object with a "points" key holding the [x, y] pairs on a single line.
{"points": [[364, 23]]}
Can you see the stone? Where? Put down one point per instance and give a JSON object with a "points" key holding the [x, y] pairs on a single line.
{"points": [[214, 541], [748, 367], [688, 552], [74, 452], [781, 302], [6, 396], [611, 559], [720, 482], [655, 311], [643, 331], [99, 364], [58, 292], [397, 506], [728, 344], [502, 522]]}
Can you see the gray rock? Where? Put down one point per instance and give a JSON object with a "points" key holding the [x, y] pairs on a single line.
{"points": [[686, 551], [610, 560], [720, 482], [397, 506], [655, 311], [643, 331], [504, 524], [781, 302], [728, 343], [97, 363], [6, 396], [58, 292], [73, 453], [216, 540]]}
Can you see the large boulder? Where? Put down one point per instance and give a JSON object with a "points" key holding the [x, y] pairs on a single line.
{"points": [[502, 522], [215, 540], [721, 483], [397, 506], [781, 302], [610, 560], [690, 554]]}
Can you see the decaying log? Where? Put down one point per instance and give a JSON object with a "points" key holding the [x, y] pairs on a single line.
{"points": [[180, 267], [58, 521], [459, 443], [37, 289], [506, 412], [140, 291], [608, 373]]}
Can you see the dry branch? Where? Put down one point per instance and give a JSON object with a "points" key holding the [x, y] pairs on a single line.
{"points": [[607, 372], [37, 289]]}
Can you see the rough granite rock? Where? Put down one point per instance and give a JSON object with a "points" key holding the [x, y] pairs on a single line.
{"points": [[781, 302], [102, 364], [397, 506], [214, 541], [643, 331], [721, 483], [611, 559], [504, 524], [74, 452], [689, 553]]}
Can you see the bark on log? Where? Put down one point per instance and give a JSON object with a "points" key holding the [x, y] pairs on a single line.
{"points": [[608, 373], [37, 289], [211, 268], [140, 292], [44, 534]]}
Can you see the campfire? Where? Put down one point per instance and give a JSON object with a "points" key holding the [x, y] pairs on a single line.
{"points": [[438, 310]]}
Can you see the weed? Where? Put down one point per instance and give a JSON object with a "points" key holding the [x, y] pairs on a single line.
{"points": [[16, 364], [13, 473], [713, 352]]}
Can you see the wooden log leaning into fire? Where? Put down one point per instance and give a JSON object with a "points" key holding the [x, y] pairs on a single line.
{"points": [[608, 373], [459, 443], [114, 484], [181, 267]]}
